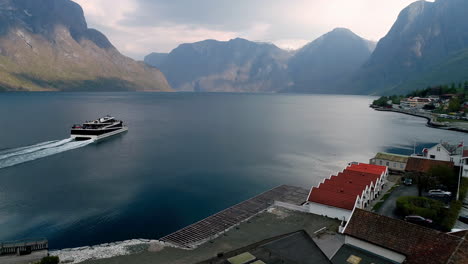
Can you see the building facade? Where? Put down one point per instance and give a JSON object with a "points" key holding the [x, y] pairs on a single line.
{"points": [[444, 152], [354, 187], [394, 162]]}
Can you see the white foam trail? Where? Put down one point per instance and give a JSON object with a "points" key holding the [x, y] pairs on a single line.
{"points": [[34, 148], [17, 156], [11, 150]]}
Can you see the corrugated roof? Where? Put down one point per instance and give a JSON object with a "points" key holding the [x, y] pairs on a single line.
{"points": [[333, 198], [369, 168], [419, 244], [343, 189], [392, 157]]}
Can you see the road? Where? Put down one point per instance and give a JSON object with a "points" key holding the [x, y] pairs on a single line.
{"points": [[389, 206]]}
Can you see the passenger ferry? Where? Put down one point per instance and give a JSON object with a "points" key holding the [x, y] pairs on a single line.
{"points": [[98, 129]]}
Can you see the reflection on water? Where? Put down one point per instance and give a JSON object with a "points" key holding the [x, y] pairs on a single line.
{"points": [[185, 157]]}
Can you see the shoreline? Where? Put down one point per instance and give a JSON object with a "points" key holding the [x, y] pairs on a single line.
{"points": [[430, 121]]}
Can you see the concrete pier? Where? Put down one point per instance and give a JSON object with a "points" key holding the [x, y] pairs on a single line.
{"points": [[208, 228]]}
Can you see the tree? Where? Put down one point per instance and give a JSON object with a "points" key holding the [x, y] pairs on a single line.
{"points": [[454, 105], [443, 174], [382, 101]]}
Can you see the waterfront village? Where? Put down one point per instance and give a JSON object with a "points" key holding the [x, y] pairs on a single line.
{"points": [[392, 209], [443, 107]]}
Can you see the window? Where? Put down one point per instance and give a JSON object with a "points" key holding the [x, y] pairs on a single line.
{"points": [[394, 165], [432, 156], [388, 163], [401, 165], [438, 148], [451, 159], [380, 162]]}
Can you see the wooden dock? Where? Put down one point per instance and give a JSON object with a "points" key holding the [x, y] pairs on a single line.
{"points": [[23, 247], [208, 228]]}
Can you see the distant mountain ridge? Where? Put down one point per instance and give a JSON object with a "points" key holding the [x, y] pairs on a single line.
{"points": [[427, 45], [46, 45], [156, 59], [240, 65], [237, 65], [326, 64]]}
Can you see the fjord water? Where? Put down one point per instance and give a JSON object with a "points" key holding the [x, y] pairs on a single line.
{"points": [[185, 156]]}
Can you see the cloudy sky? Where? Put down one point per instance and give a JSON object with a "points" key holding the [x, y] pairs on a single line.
{"points": [[138, 27]]}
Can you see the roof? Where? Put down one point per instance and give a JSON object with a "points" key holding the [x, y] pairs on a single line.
{"points": [[348, 253], [243, 258], [419, 244], [424, 165], [333, 198], [342, 190], [449, 148], [465, 153], [296, 247], [258, 262], [392, 157], [369, 168]]}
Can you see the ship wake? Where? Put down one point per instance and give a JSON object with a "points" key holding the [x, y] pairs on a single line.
{"points": [[15, 156]]}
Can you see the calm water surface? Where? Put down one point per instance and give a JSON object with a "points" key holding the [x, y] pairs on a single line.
{"points": [[186, 156]]}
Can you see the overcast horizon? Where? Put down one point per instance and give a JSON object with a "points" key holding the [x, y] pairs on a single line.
{"points": [[139, 27]]}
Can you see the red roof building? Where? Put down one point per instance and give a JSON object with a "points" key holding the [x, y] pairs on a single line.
{"points": [[354, 187], [404, 242], [421, 165]]}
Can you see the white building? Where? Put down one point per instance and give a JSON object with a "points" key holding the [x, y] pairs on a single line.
{"points": [[354, 187], [394, 162], [415, 102], [465, 164], [444, 152]]}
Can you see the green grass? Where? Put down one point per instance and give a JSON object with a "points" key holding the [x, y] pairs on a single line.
{"points": [[377, 206], [451, 120]]}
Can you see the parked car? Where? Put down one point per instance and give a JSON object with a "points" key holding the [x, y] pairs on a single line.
{"points": [[439, 193], [416, 219], [463, 218], [408, 181]]}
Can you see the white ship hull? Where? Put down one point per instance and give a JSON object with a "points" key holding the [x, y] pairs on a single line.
{"points": [[99, 137]]}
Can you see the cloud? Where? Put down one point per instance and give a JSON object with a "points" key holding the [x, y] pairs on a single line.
{"points": [[138, 27]]}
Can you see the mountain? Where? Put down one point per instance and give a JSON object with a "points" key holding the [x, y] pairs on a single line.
{"points": [[427, 45], [47, 45], [326, 64], [156, 59], [237, 65]]}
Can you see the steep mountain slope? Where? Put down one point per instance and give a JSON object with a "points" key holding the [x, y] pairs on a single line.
{"points": [[46, 45], [424, 47], [237, 65], [156, 59], [324, 65]]}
